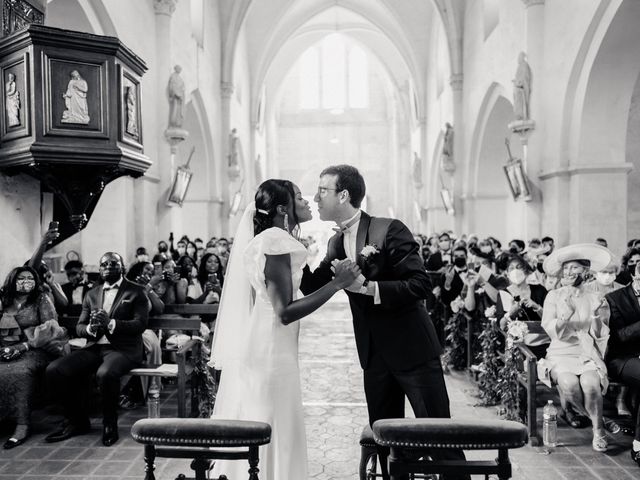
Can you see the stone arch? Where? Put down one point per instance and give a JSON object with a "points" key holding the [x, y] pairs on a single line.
{"points": [[597, 118], [488, 194], [81, 15]]}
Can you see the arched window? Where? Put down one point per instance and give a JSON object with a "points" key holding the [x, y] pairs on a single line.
{"points": [[334, 75]]}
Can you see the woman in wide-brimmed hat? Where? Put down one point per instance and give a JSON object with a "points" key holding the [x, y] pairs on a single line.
{"points": [[576, 320]]}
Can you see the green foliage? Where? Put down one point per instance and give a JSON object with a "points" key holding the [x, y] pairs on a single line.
{"points": [[509, 386], [491, 365], [455, 355], [204, 384]]}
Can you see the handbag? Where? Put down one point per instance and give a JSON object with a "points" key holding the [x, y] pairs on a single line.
{"points": [[50, 337]]}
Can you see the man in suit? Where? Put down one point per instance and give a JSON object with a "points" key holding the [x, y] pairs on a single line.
{"points": [[623, 352], [114, 315], [397, 344], [76, 288]]}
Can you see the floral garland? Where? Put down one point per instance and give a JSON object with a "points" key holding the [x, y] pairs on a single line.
{"points": [[455, 355], [490, 366], [204, 385]]}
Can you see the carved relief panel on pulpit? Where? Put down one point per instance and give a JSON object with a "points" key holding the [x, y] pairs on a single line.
{"points": [[15, 102]]}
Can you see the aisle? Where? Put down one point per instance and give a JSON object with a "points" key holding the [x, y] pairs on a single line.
{"points": [[335, 413]]}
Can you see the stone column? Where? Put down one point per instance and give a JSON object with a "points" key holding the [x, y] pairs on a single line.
{"points": [[457, 82], [531, 132], [226, 92], [169, 219]]}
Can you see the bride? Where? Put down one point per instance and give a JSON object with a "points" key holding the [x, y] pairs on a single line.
{"points": [[256, 337]]}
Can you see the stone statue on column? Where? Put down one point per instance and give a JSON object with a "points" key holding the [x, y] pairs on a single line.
{"points": [[176, 96], [416, 171], [448, 164], [522, 89], [235, 155], [12, 101]]}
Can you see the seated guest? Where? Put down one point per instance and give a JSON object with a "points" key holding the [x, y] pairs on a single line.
{"points": [[629, 261], [142, 255], [164, 283], [114, 315], [496, 245], [210, 278], [548, 242], [163, 252], [601, 241], [187, 288], [454, 276], [623, 354], [24, 306], [442, 257], [522, 301], [141, 273], [51, 287], [576, 320], [76, 288], [517, 246]]}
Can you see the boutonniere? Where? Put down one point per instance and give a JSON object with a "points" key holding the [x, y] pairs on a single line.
{"points": [[369, 250]]}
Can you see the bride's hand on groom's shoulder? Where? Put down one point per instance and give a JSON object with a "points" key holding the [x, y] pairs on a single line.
{"points": [[346, 273]]}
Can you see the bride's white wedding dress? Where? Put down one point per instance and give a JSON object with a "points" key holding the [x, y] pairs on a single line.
{"points": [[265, 384]]}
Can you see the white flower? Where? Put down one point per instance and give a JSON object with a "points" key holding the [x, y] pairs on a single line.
{"points": [[490, 312], [368, 250], [516, 330], [457, 305]]}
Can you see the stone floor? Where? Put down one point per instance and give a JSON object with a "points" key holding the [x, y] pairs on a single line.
{"points": [[335, 413]]}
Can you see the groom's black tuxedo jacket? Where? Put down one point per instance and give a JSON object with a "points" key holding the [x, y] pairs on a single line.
{"points": [[399, 328]]}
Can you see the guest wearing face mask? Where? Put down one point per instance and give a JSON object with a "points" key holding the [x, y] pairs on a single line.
{"points": [[522, 301], [454, 276], [24, 305], [163, 252], [623, 354], [629, 261], [180, 251], [577, 322], [496, 245], [191, 250], [142, 255], [517, 246], [114, 316], [442, 257]]}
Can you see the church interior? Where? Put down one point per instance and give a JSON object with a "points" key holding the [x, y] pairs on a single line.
{"points": [[129, 123]]}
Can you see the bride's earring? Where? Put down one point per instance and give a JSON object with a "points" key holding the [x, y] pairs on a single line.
{"points": [[286, 222]]}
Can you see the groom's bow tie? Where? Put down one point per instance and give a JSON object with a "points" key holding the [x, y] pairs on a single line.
{"points": [[343, 228]]}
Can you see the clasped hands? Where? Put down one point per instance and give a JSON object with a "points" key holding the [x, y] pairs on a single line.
{"points": [[348, 275], [98, 321], [8, 354]]}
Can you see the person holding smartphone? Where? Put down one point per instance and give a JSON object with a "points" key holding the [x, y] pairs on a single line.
{"points": [[210, 278]]}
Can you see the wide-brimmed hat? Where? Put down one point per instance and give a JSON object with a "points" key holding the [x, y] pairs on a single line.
{"points": [[597, 255]]}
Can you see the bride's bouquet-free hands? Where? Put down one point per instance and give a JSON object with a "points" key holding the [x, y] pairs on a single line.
{"points": [[345, 272]]}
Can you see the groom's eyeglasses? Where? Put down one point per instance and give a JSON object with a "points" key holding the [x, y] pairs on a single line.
{"points": [[322, 191]]}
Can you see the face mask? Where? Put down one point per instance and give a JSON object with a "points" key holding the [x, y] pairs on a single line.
{"points": [[485, 249], [444, 245], [604, 278], [540, 267], [460, 262], [25, 286], [143, 258], [162, 248], [516, 277]]}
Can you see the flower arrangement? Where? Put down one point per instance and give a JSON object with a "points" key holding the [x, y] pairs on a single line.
{"points": [[516, 330], [490, 312], [457, 304]]}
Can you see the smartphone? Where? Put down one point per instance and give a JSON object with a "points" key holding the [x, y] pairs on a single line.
{"points": [[157, 268], [213, 278], [471, 266], [485, 272]]}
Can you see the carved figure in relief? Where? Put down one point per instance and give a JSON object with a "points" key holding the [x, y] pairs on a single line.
{"points": [[75, 100], [132, 117], [12, 102], [175, 91], [522, 89], [447, 146]]}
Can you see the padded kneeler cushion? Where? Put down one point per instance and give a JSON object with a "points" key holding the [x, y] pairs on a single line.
{"points": [[200, 432], [437, 433]]}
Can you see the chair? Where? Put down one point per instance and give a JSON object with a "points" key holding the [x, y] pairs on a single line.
{"points": [[181, 369], [202, 440], [409, 438], [368, 454]]}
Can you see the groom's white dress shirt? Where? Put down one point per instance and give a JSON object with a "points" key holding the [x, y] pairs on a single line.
{"points": [[350, 233]]}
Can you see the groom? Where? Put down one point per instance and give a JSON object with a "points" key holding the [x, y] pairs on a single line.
{"points": [[397, 344]]}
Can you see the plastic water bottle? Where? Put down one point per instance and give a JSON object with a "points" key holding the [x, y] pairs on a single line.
{"points": [[153, 399], [550, 425]]}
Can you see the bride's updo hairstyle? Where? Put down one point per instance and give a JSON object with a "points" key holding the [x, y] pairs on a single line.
{"points": [[270, 194]]}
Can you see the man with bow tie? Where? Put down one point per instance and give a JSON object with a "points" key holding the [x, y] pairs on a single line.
{"points": [[114, 315], [397, 344]]}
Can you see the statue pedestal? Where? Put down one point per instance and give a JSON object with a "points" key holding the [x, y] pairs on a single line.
{"points": [[448, 164], [522, 127], [175, 135]]}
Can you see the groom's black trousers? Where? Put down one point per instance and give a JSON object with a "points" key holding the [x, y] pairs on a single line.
{"points": [[423, 385]]}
